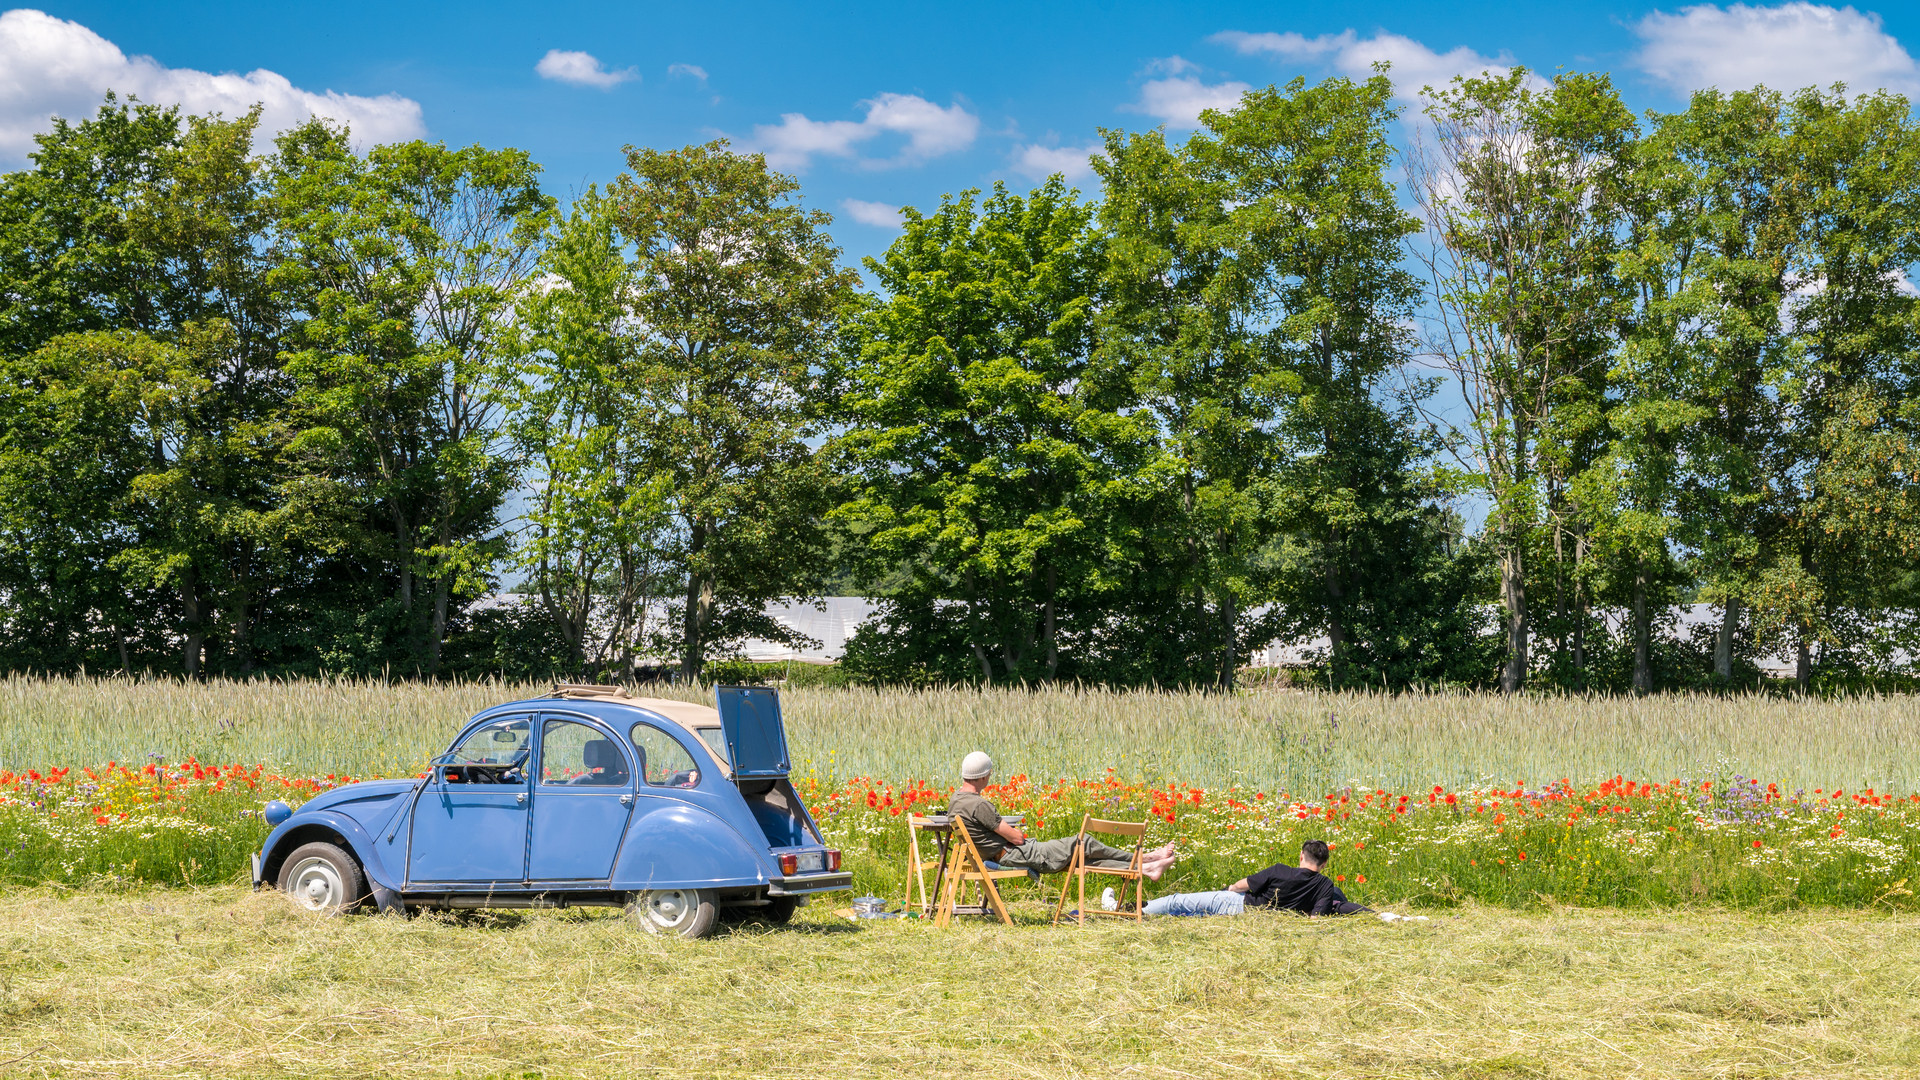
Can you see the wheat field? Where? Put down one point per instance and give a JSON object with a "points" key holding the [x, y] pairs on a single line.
{"points": [[1287, 740]]}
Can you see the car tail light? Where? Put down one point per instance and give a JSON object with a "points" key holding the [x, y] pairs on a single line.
{"points": [[789, 864], [833, 859]]}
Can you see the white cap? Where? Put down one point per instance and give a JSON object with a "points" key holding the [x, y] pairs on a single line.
{"points": [[975, 766]]}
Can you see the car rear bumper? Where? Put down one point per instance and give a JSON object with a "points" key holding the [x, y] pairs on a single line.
{"points": [[256, 870], [801, 884]]}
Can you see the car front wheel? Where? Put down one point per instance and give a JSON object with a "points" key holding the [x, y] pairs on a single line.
{"points": [[323, 877], [687, 913]]}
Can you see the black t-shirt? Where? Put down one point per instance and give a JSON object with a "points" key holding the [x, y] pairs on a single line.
{"points": [[1283, 886]]}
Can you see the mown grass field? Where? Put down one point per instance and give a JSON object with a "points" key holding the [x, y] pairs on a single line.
{"points": [[221, 982]]}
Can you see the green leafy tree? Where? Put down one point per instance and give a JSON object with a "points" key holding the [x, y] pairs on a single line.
{"points": [[1848, 505], [137, 253], [1521, 189], [597, 540], [1185, 324], [415, 257], [1365, 560], [735, 300], [990, 455]]}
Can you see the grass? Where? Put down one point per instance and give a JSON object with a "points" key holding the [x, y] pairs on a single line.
{"points": [[222, 982], [1276, 740]]}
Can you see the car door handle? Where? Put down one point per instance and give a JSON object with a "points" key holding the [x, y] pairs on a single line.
{"points": [[626, 800], [520, 797]]}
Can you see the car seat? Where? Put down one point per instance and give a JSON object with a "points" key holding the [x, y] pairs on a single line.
{"points": [[606, 765]]}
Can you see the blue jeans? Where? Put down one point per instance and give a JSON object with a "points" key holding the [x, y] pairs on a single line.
{"points": [[1224, 902]]}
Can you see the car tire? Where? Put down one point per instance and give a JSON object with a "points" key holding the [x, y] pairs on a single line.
{"points": [[687, 913], [323, 877], [779, 910]]}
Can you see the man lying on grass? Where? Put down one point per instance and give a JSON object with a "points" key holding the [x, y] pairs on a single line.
{"points": [[1004, 843], [1300, 888]]}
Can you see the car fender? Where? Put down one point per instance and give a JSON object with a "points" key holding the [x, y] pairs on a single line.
{"points": [[679, 845], [307, 826]]}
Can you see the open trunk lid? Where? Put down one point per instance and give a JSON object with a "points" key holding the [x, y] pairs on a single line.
{"points": [[756, 739]]}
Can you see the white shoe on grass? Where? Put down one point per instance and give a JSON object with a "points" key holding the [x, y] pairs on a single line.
{"points": [[1107, 902]]}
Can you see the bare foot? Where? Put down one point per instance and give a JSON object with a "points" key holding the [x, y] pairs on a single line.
{"points": [[1160, 854]]}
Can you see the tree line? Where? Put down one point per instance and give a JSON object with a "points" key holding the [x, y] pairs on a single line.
{"points": [[1480, 410]]}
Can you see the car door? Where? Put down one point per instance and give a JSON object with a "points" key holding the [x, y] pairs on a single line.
{"points": [[581, 801], [470, 821]]}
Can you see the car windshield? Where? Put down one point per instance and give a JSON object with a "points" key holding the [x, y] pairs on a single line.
{"points": [[716, 742], [499, 743]]}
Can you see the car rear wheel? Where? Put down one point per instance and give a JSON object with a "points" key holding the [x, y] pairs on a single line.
{"points": [[687, 913], [323, 877], [780, 909]]}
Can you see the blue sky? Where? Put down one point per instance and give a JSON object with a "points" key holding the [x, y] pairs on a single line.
{"points": [[872, 105]]}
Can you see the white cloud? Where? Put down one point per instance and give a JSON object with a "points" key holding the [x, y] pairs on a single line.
{"points": [[52, 67], [930, 131], [692, 71], [581, 69], [1072, 162], [880, 215], [1178, 98], [1414, 65], [1787, 47]]}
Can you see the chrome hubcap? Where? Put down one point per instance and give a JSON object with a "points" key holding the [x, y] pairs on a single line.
{"points": [[316, 884], [665, 909]]}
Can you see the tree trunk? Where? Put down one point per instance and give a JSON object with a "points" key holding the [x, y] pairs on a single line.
{"points": [[1803, 665], [120, 639], [986, 664], [1723, 642], [403, 540], [192, 625], [699, 611], [240, 642], [1230, 658], [1513, 593], [1579, 616], [442, 588], [1336, 622], [1642, 663], [1053, 648], [623, 616], [571, 631]]}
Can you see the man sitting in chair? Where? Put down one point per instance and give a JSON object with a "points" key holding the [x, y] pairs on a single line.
{"points": [[1004, 843], [1300, 888]]}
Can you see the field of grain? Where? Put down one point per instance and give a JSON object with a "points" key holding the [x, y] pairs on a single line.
{"points": [[1281, 740], [223, 983]]}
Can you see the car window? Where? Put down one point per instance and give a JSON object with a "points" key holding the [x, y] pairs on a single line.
{"points": [[663, 761], [495, 753], [716, 741], [578, 755]]}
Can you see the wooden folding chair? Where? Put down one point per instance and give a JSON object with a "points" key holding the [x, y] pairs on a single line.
{"points": [[1078, 869], [918, 864], [966, 865]]}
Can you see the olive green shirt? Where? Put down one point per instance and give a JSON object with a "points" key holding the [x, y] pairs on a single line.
{"points": [[981, 818]]}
